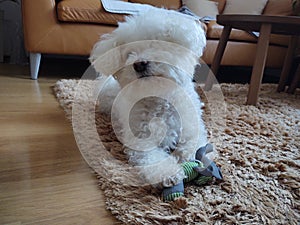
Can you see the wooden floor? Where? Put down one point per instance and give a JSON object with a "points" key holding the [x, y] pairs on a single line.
{"points": [[43, 178]]}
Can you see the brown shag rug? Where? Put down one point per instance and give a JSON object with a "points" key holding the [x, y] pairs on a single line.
{"points": [[258, 152]]}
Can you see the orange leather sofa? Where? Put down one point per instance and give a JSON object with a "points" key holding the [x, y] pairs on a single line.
{"points": [[71, 27]]}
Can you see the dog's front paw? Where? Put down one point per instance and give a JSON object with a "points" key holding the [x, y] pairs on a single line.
{"points": [[169, 143]]}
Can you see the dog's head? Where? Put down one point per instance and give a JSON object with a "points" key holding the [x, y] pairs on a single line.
{"points": [[157, 42]]}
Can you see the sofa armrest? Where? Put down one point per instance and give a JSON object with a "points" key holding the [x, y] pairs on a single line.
{"points": [[39, 17], [279, 7]]}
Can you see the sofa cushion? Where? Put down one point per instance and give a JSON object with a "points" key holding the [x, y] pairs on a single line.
{"points": [[203, 8], [87, 11], [214, 31], [237, 54], [279, 7], [170, 4], [221, 5], [253, 7]]}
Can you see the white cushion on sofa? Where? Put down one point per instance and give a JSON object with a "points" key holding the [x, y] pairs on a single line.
{"points": [[202, 8], [252, 7]]}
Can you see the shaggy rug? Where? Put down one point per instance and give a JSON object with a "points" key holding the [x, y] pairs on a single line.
{"points": [[258, 152]]}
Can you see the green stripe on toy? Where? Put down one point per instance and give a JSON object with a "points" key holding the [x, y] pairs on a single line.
{"points": [[173, 196], [202, 180], [170, 193], [188, 168]]}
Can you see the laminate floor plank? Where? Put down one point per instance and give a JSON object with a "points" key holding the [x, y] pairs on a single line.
{"points": [[43, 177]]}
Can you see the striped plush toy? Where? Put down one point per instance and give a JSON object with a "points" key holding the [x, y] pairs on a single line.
{"points": [[201, 171]]}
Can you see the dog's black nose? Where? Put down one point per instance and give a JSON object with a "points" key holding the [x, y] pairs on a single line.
{"points": [[140, 66]]}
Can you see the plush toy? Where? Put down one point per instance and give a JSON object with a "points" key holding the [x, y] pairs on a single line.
{"points": [[201, 171]]}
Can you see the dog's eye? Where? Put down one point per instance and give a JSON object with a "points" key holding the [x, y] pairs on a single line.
{"points": [[131, 58], [131, 54]]}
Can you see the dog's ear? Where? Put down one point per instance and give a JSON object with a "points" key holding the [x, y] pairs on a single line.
{"points": [[106, 43]]}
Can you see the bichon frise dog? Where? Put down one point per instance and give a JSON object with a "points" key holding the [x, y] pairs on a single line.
{"points": [[155, 109]]}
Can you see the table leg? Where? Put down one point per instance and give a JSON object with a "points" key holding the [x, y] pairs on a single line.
{"points": [[1, 35], [259, 63], [218, 57], [287, 63], [295, 81]]}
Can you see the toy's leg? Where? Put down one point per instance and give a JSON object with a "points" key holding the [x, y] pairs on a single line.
{"points": [[192, 173], [203, 180], [171, 193]]}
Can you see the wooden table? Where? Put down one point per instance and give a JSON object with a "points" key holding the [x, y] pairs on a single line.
{"points": [[287, 25], [294, 82]]}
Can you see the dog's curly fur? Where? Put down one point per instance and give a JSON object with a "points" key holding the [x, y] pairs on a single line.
{"points": [[159, 50]]}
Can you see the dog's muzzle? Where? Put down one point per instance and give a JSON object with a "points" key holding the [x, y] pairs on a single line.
{"points": [[141, 68]]}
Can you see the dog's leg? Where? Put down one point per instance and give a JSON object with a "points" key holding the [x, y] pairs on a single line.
{"points": [[106, 91], [157, 167]]}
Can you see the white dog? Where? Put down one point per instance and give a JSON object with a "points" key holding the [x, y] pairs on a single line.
{"points": [[155, 109]]}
